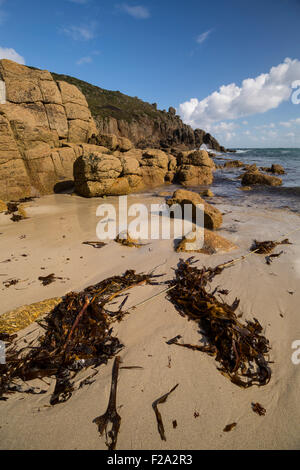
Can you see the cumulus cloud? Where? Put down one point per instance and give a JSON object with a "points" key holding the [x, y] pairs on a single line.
{"points": [[255, 95], [202, 37], [139, 12], [11, 54], [80, 33]]}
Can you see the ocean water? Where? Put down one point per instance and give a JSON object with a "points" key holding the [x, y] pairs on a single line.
{"points": [[226, 183]]}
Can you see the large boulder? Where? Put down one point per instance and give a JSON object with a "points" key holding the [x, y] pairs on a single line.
{"points": [[196, 158], [212, 216], [155, 158], [106, 175], [195, 168], [38, 117], [275, 169], [208, 243], [189, 175], [233, 164], [251, 178]]}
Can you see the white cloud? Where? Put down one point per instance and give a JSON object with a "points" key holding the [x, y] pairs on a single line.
{"points": [[84, 60], [290, 123], [255, 95], [82, 32], [11, 54], [202, 37], [139, 12]]}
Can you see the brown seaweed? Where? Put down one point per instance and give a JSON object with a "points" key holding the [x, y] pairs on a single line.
{"points": [[46, 280], [77, 335], [259, 409], [240, 348], [266, 247], [157, 402], [229, 427], [269, 258], [10, 282], [95, 244], [111, 415]]}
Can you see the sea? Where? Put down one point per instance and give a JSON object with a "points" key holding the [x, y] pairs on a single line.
{"points": [[227, 185]]}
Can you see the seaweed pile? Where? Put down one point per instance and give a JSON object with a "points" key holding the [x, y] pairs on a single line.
{"points": [[240, 349], [266, 247], [77, 335], [15, 209]]}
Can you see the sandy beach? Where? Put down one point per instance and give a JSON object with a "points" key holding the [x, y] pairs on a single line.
{"points": [[52, 238]]}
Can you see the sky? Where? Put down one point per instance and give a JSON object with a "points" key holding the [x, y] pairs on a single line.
{"points": [[228, 67]]}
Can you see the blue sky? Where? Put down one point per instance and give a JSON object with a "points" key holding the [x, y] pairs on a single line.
{"points": [[193, 55]]}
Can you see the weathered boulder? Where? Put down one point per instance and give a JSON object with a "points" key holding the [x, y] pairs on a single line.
{"points": [[155, 158], [37, 119], [251, 178], [233, 164], [3, 207], [112, 142], [195, 168], [275, 169], [189, 175], [212, 216], [102, 174], [208, 243], [197, 158]]}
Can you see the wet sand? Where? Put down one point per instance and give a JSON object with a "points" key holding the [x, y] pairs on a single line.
{"points": [[56, 227]]}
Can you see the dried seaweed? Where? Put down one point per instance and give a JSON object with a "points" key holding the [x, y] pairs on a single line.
{"points": [[269, 258], [240, 349], [157, 402], [77, 335], [95, 244], [259, 409], [11, 282], [266, 247], [111, 415], [126, 240], [46, 280], [229, 427]]}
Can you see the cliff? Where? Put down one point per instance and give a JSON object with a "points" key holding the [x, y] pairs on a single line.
{"points": [[141, 122], [47, 121]]}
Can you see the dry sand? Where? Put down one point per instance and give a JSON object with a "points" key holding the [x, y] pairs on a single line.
{"points": [[57, 226]]}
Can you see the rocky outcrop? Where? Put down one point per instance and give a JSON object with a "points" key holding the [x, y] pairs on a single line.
{"points": [[195, 168], [142, 123], [275, 169], [38, 121], [104, 172], [212, 216], [208, 243], [251, 178], [233, 164], [46, 124]]}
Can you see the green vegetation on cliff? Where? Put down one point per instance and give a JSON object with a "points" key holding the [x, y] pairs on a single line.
{"points": [[106, 103]]}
